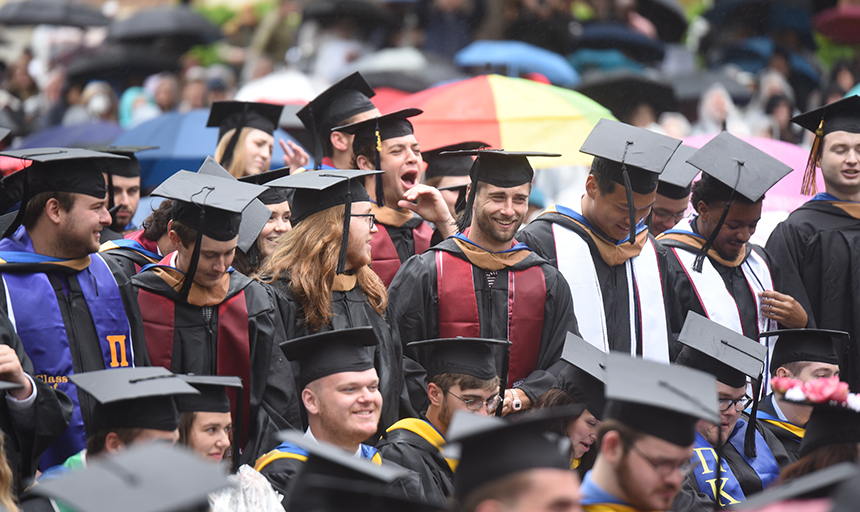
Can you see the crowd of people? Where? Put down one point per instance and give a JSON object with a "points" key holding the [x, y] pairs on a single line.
{"points": [[374, 325]]}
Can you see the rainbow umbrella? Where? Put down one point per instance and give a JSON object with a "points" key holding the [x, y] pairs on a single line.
{"points": [[508, 113]]}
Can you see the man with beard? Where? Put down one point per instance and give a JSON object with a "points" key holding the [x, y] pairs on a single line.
{"points": [[123, 182], [403, 205], [751, 457], [463, 374], [616, 271], [340, 394], [716, 271], [66, 305], [647, 434], [465, 286], [817, 246]]}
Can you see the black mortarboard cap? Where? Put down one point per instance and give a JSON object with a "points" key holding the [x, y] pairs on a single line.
{"points": [[229, 115], [449, 164], [659, 400], [322, 493], [839, 116], [140, 397], [209, 204], [492, 448], [126, 168], [213, 393], [334, 106], [476, 357], [584, 374], [633, 157], [727, 355], [152, 477], [676, 180], [374, 131], [795, 345], [830, 424], [272, 195], [817, 484], [330, 352], [744, 168], [320, 190]]}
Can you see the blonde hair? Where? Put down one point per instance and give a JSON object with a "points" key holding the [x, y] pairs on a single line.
{"points": [[7, 479], [237, 164], [307, 256]]}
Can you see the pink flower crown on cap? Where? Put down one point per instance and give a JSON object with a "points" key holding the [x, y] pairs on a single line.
{"points": [[817, 391]]}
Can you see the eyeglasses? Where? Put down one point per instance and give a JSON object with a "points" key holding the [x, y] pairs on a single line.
{"points": [[665, 468], [739, 403], [661, 215], [475, 405], [371, 218]]}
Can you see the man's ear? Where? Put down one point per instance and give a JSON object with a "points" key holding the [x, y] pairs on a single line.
{"points": [[703, 210], [490, 506], [309, 398], [782, 372], [364, 164], [435, 394], [173, 236], [612, 446], [113, 443], [591, 187], [339, 141], [53, 210]]}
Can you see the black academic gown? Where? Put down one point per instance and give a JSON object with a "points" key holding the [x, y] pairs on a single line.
{"points": [[350, 309], [785, 432], [413, 302], [124, 262], [613, 279], [52, 409], [818, 246], [195, 344], [691, 500], [417, 451]]}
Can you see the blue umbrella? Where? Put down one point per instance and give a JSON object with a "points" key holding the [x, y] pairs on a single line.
{"points": [[519, 58], [183, 142], [84, 135]]}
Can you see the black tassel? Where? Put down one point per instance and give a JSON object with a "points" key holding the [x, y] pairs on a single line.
{"points": [[188, 280], [749, 437], [19, 218], [631, 207], [700, 257], [344, 241], [318, 152], [719, 480], [380, 192]]}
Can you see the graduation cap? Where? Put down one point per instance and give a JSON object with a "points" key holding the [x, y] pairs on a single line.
{"points": [[839, 116], [124, 168], [60, 170], [492, 448], [817, 484], [324, 189], [347, 98], [583, 377], [633, 157], [321, 493], [830, 423], [213, 398], [727, 355], [330, 352], [208, 204], [659, 400], [476, 357], [497, 167], [272, 195], [230, 115], [153, 477], [140, 397], [254, 216], [747, 170], [676, 180], [374, 131], [439, 164], [796, 345]]}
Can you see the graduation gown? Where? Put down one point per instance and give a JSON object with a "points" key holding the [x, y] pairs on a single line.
{"points": [[743, 478], [127, 256], [72, 316], [818, 247], [415, 444], [350, 309], [51, 414], [414, 300], [788, 434], [610, 265], [237, 339], [401, 234]]}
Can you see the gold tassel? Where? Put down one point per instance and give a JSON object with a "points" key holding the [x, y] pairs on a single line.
{"points": [[378, 140], [808, 186]]}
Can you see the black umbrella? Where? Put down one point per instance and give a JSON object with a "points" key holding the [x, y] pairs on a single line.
{"points": [[179, 28], [623, 91], [48, 12], [603, 36], [667, 16], [117, 62], [363, 14]]}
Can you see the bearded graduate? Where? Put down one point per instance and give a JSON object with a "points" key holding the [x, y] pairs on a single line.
{"points": [[320, 271]]}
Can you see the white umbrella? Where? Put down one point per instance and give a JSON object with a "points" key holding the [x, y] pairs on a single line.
{"points": [[281, 88]]}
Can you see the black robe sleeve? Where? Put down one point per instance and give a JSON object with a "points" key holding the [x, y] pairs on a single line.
{"points": [[281, 473], [412, 452]]}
